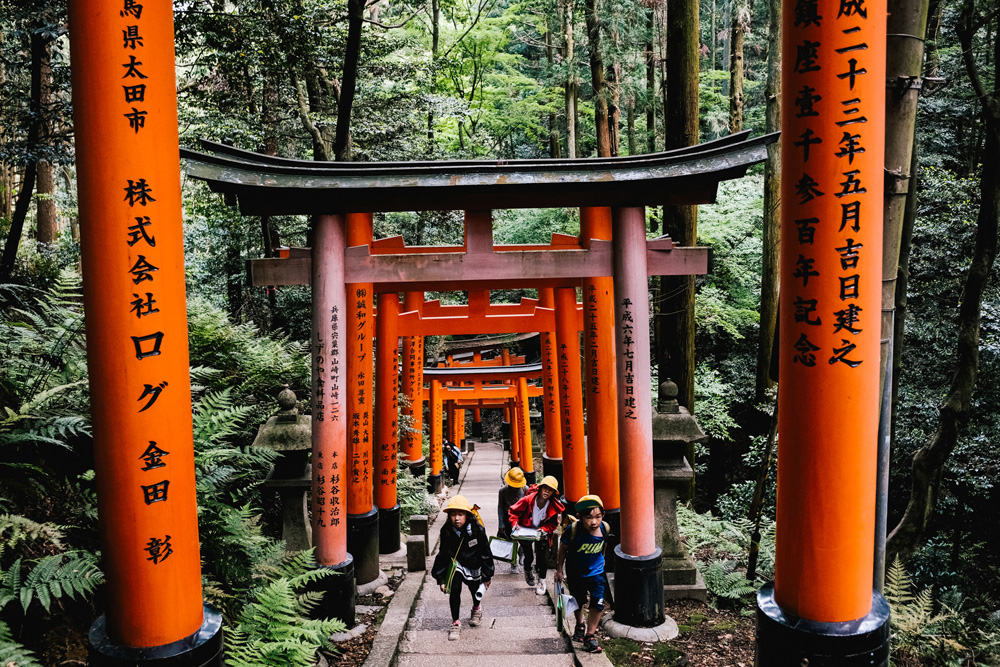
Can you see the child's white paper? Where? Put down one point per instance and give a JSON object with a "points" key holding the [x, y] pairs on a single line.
{"points": [[522, 533]]}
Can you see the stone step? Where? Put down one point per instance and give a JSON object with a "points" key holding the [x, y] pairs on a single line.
{"points": [[486, 633], [474, 642], [512, 623], [510, 596], [483, 659], [489, 610]]}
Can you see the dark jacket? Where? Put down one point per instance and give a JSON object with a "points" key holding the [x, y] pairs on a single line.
{"points": [[507, 496], [522, 512], [474, 553]]}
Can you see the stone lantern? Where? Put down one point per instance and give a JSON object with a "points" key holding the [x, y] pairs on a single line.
{"points": [[290, 434], [674, 430]]}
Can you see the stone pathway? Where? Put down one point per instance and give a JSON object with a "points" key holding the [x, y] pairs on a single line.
{"points": [[518, 626]]}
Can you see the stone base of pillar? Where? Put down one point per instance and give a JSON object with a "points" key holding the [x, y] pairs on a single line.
{"points": [[529, 477], [613, 517], [783, 639], [419, 467], [202, 649], [464, 445], [339, 592], [505, 431], [639, 589], [362, 544], [433, 484], [679, 570], [388, 530], [554, 467], [477, 430]]}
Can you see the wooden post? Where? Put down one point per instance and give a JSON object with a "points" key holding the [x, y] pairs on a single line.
{"points": [[515, 433], [413, 385], [830, 312], [552, 459], [602, 381], [362, 515], [570, 397], [638, 574], [436, 453], [137, 342], [329, 407], [386, 411]]}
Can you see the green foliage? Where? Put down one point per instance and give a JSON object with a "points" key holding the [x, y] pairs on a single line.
{"points": [[412, 497], [69, 574], [713, 398], [272, 627], [725, 581], [14, 654]]}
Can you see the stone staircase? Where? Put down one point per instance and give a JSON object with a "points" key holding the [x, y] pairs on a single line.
{"points": [[517, 624]]}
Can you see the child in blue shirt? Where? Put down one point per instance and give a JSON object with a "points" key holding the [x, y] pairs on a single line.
{"points": [[582, 550]]}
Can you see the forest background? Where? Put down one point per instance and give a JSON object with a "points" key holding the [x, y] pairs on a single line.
{"points": [[495, 79]]}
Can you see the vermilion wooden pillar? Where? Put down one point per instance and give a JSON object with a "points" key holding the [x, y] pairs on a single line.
{"points": [[524, 430], [830, 313], [570, 397], [329, 408], [436, 453], [459, 425], [602, 381], [638, 574], [362, 515], [515, 433], [386, 411], [477, 423], [413, 385], [552, 458], [137, 344]]}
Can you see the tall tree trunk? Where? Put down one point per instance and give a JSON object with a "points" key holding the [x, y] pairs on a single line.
{"points": [[435, 42], [630, 127], [650, 83], [772, 206], [571, 82], [902, 281], [352, 54], [737, 30], [907, 26], [676, 345], [929, 460], [46, 221], [555, 147], [597, 79], [932, 59], [38, 47]]}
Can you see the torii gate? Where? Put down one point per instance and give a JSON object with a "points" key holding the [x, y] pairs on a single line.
{"points": [[613, 193]]}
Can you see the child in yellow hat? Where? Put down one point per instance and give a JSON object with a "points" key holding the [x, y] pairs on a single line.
{"points": [[539, 509], [464, 542]]}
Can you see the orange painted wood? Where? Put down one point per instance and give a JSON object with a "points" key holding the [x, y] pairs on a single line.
{"points": [[570, 397], [635, 416], [137, 343], [831, 250], [524, 422], [515, 430], [599, 362], [412, 378], [550, 385], [459, 423], [488, 393], [386, 401], [436, 416], [359, 379], [330, 388]]}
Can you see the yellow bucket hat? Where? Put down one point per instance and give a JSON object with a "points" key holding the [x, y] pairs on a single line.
{"points": [[514, 478], [550, 482], [458, 503]]}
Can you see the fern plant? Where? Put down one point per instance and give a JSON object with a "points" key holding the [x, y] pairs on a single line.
{"points": [[12, 653], [273, 628], [725, 581], [69, 574]]}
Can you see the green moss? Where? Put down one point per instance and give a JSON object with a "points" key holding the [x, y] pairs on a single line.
{"points": [[619, 650], [696, 619]]}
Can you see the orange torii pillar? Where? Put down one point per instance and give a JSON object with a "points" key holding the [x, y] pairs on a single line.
{"points": [[413, 384], [570, 398], [515, 433], [638, 573], [552, 458], [507, 427], [477, 423], [821, 606], [386, 420], [137, 342], [436, 415], [602, 383], [460, 426], [524, 430], [362, 515]]}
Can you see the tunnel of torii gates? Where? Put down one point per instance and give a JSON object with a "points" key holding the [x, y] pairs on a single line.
{"points": [[820, 610]]}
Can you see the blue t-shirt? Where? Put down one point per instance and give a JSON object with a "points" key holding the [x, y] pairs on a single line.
{"points": [[585, 556]]}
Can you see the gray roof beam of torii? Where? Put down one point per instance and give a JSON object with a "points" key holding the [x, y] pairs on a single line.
{"points": [[266, 185]]}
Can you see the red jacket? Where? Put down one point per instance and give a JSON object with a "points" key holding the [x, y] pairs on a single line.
{"points": [[521, 512]]}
